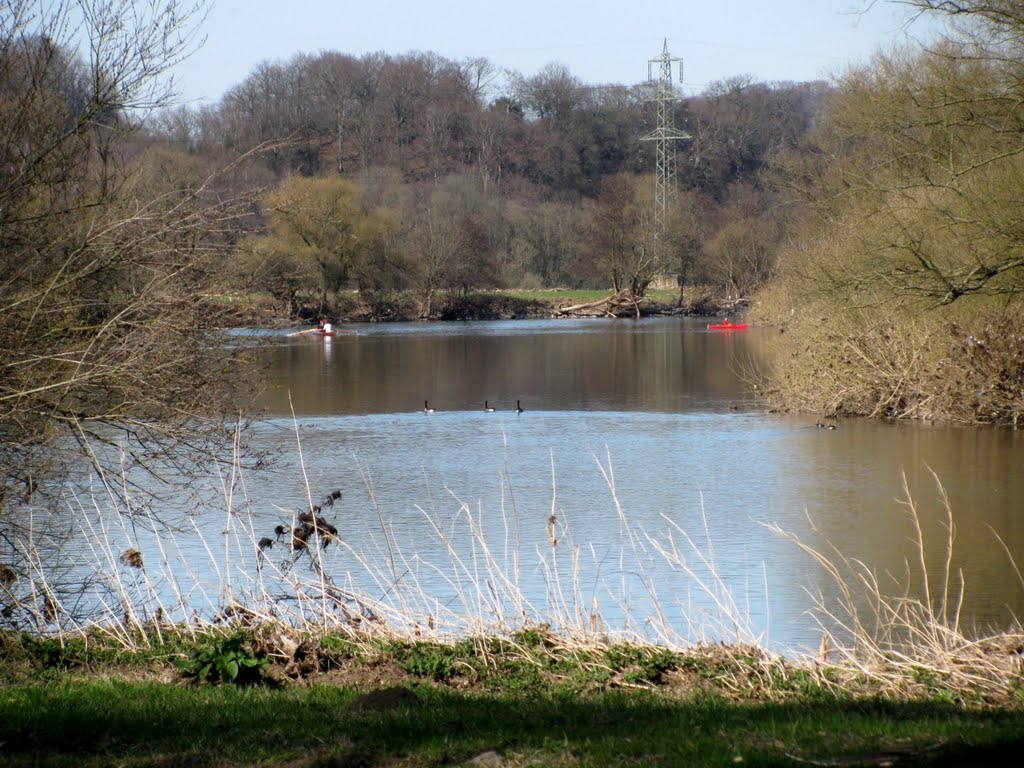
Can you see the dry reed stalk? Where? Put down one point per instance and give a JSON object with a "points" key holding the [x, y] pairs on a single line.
{"points": [[904, 640], [730, 619], [390, 595], [517, 548], [490, 601]]}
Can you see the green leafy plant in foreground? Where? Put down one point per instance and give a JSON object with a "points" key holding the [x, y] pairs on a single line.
{"points": [[640, 664], [429, 660], [227, 659]]}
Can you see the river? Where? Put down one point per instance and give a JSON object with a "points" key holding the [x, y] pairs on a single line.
{"points": [[640, 491]]}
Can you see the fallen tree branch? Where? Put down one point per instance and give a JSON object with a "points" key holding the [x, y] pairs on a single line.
{"points": [[624, 298]]}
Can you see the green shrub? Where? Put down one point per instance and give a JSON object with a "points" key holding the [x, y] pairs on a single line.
{"points": [[428, 660], [639, 664], [226, 660]]}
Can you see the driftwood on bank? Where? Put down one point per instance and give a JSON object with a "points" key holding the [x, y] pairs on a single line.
{"points": [[624, 299]]}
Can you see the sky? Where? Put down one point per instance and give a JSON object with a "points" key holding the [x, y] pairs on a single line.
{"points": [[600, 41]]}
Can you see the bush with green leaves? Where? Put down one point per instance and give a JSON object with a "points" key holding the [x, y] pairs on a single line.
{"points": [[227, 660], [429, 660]]}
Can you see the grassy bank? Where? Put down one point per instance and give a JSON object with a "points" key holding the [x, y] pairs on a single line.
{"points": [[529, 700]]}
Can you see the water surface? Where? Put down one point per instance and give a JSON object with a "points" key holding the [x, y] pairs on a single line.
{"points": [[641, 441]]}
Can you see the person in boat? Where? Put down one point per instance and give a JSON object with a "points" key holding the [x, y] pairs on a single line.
{"points": [[323, 328]]}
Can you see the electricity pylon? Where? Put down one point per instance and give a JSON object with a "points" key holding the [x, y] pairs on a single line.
{"points": [[664, 135]]}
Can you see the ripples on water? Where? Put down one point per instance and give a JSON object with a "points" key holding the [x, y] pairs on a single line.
{"points": [[636, 435]]}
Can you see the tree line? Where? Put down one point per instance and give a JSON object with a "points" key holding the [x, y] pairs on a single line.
{"points": [[472, 177]]}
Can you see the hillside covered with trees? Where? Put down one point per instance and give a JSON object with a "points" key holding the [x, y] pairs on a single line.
{"points": [[420, 174]]}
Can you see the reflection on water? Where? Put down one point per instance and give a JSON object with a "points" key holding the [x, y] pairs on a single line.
{"points": [[628, 426], [637, 484], [609, 365]]}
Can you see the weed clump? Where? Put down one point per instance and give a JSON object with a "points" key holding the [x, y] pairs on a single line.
{"points": [[227, 659]]}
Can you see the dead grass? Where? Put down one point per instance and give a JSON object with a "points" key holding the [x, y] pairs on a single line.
{"points": [[907, 640], [959, 365], [907, 643]]}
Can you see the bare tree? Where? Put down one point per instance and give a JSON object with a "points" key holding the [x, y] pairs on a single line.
{"points": [[449, 241], [908, 266], [107, 346], [625, 245]]}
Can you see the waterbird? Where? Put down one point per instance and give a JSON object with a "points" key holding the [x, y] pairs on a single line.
{"points": [[819, 425], [321, 527], [519, 408], [488, 408], [279, 531], [427, 408], [31, 486]]}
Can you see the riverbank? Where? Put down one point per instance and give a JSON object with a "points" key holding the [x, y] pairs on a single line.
{"points": [[262, 310], [959, 364], [530, 699]]}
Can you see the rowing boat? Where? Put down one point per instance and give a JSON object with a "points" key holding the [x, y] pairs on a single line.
{"points": [[321, 332]]}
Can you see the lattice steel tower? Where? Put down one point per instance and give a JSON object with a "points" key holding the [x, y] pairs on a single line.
{"points": [[664, 135]]}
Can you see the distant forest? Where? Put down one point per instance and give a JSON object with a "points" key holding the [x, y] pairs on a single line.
{"points": [[415, 172], [876, 221]]}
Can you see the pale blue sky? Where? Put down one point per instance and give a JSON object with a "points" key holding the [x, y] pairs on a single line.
{"points": [[600, 41]]}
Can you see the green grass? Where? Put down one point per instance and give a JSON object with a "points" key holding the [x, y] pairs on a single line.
{"points": [[530, 697], [107, 722]]}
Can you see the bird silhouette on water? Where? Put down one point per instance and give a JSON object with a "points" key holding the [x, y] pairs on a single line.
{"points": [[519, 408], [427, 408], [488, 408]]}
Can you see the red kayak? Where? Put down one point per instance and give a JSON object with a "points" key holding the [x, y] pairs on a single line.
{"points": [[725, 325]]}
